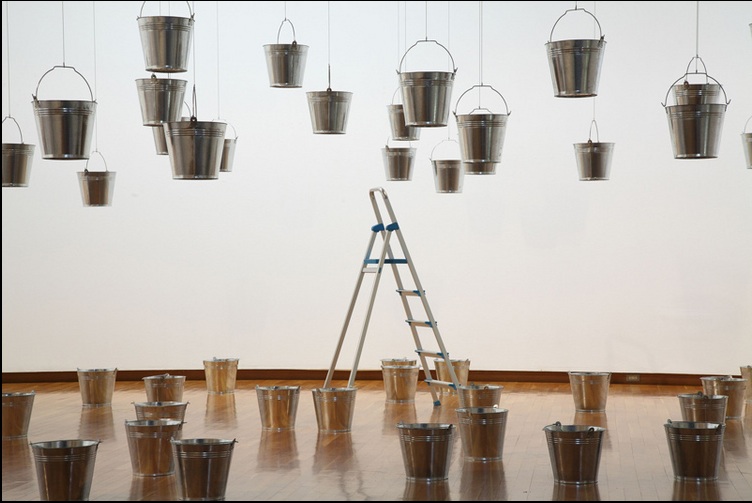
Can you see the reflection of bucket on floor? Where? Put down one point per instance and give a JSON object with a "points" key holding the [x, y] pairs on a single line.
{"points": [[482, 431], [483, 482], [278, 450], [479, 395], [221, 374], [164, 388], [65, 468], [400, 382], [574, 492], [153, 489], [334, 409], [575, 452], [590, 390], [426, 450], [426, 490], [695, 449], [149, 446], [17, 414], [702, 408], [96, 422], [278, 406], [202, 467], [97, 386], [732, 387], [395, 413]]}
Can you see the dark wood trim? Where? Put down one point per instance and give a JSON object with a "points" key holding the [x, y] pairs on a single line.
{"points": [[477, 376]]}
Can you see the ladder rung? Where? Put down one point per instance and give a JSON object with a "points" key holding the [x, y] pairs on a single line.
{"points": [[417, 323], [386, 261], [435, 354], [434, 382], [414, 293], [370, 269]]}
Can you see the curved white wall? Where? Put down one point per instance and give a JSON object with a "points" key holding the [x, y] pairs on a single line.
{"points": [[529, 269]]}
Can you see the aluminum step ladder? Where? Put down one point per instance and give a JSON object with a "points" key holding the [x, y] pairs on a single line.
{"points": [[375, 266]]}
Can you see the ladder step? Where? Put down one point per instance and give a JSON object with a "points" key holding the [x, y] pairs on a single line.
{"points": [[386, 261], [418, 323], [446, 384], [408, 293], [435, 354], [371, 270]]}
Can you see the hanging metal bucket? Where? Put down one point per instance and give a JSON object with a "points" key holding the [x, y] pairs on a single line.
{"points": [[195, 148], [65, 127], [575, 64], [696, 94], [161, 100], [746, 145], [228, 153], [426, 96], [695, 449], [17, 159], [398, 162], [594, 158], [481, 135], [160, 141], [696, 128], [166, 41], [400, 130], [286, 62], [97, 187], [448, 174], [329, 111]]}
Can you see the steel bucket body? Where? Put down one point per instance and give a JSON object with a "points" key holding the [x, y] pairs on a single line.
{"points": [[161, 100], [426, 450], [164, 388], [702, 408], [448, 175], [221, 375], [695, 449], [590, 390], [65, 469], [97, 386], [426, 98], [482, 432], [97, 187], [575, 66], [202, 467], [398, 163], [402, 362], [746, 373], [166, 42], [149, 446], [17, 414], [278, 406], [195, 148], [400, 130], [746, 144], [400, 382], [334, 408], [575, 452], [228, 155], [65, 128], [594, 160], [696, 94], [695, 130], [329, 111], [17, 158], [481, 138], [479, 395], [285, 64], [733, 387]]}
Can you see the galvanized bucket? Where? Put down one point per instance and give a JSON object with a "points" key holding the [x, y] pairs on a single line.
{"points": [[696, 128], [426, 95], [479, 395], [161, 100], [461, 370], [65, 127], [594, 158], [329, 111], [746, 373], [575, 64], [166, 41], [278, 406], [97, 386], [400, 130], [195, 148], [97, 187], [590, 390], [221, 375], [695, 449], [65, 468], [703, 408], [696, 94], [575, 452], [228, 152], [160, 410], [448, 174], [286, 62], [404, 362], [149, 446], [426, 450], [334, 409], [732, 387], [482, 431], [164, 388], [17, 414], [746, 145], [481, 133], [398, 162], [17, 159], [400, 382], [202, 467]]}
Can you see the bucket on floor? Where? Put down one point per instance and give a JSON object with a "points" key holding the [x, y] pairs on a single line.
{"points": [[160, 410], [426, 450], [285, 63], [228, 152], [400, 130], [481, 134], [329, 111], [400, 382], [733, 387], [426, 95], [746, 373], [448, 173], [398, 162], [590, 390], [97, 386], [17, 408], [479, 395], [701, 408], [65, 468], [594, 157], [195, 148], [695, 449], [161, 100], [164, 388], [575, 65], [202, 467], [746, 145], [334, 408], [17, 159], [165, 41], [482, 431], [461, 370], [65, 127], [575, 452], [149, 446], [278, 406], [221, 374], [97, 187]]}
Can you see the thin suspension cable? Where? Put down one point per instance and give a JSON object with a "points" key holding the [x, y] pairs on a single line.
{"points": [[449, 47], [94, 30], [426, 19], [219, 115], [697, 35], [195, 106], [62, 8], [595, 14], [480, 43], [7, 48], [285, 11], [398, 34], [329, 44]]}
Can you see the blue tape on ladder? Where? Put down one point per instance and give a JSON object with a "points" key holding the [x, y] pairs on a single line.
{"points": [[392, 227], [377, 228]]}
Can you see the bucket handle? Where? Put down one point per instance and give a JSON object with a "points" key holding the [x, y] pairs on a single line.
{"points": [[294, 37], [142, 9], [590, 133], [395, 94], [687, 72], [19, 127], [426, 40], [62, 66], [551, 36], [409, 142], [480, 108], [442, 141], [743, 131], [86, 166]]}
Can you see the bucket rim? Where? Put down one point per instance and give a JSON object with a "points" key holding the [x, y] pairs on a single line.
{"points": [[97, 370], [425, 426], [203, 441], [153, 422], [573, 428], [159, 404], [482, 410], [278, 388], [65, 444], [14, 394]]}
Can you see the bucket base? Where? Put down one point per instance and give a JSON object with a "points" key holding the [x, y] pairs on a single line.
{"points": [[480, 168]]}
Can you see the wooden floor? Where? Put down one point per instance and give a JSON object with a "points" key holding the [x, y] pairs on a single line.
{"points": [[367, 463]]}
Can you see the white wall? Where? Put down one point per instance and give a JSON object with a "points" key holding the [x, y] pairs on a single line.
{"points": [[528, 269]]}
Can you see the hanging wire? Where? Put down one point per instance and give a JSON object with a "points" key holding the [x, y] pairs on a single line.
{"points": [[426, 19], [449, 46], [194, 111], [595, 24], [94, 30], [219, 115], [480, 44], [62, 8], [329, 44], [697, 36], [285, 19], [7, 58]]}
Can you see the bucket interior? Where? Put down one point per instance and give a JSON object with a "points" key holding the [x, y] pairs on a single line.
{"points": [[575, 66], [17, 160], [285, 64]]}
